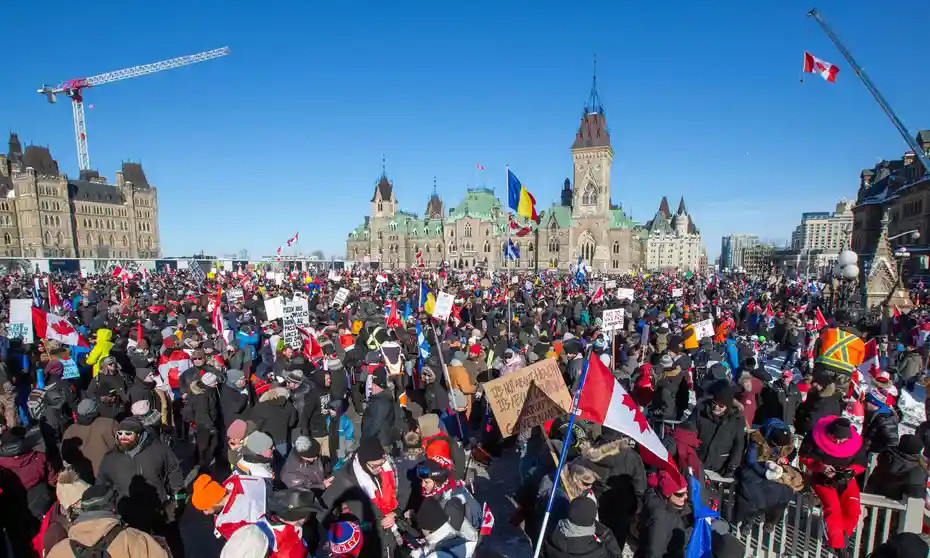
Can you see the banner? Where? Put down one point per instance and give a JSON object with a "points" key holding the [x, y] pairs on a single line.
{"points": [[612, 320], [21, 320], [70, 370], [274, 308], [625, 294], [295, 313], [704, 328], [443, 306], [235, 295], [528, 397], [612, 284], [676, 293]]}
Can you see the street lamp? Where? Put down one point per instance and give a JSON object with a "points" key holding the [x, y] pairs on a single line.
{"points": [[915, 234]]}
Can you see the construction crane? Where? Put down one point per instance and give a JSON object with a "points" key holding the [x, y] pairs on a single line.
{"points": [[74, 88]]}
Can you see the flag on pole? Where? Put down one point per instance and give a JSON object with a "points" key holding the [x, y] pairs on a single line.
{"points": [[54, 327], [479, 166], [814, 65], [516, 229], [819, 321], [521, 201], [36, 292], [293, 239], [699, 546], [390, 315], [512, 253]]}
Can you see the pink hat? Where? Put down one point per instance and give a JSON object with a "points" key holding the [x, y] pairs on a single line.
{"points": [[825, 437]]}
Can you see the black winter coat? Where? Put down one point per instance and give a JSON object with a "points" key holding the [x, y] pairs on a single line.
{"points": [[144, 478], [382, 418], [316, 403], [665, 399], [898, 476], [722, 438], [275, 415], [141, 391], [111, 394], [880, 431], [61, 399], [202, 408], [600, 545], [662, 529], [233, 404], [815, 407]]}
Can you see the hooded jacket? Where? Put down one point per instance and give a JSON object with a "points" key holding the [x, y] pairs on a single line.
{"points": [[381, 418], [881, 430], [662, 529], [817, 405], [722, 438], [573, 541], [898, 475], [34, 473], [275, 415], [86, 442], [101, 349], [130, 543], [202, 407], [233, 402], [316, 403]]}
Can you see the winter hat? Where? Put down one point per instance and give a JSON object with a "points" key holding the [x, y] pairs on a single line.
{"points": [[836, 437], [87, 407], [261, 386], [292, 504], [379, 378], [54, 368], [236, 429], [429, 425], [140, 407], [259, 443], [431, 516], [207, 493], [724, 396], [345, 538], [666, 362], [294, 376], [822, 377], [131, 424], [456, 362], [572, 346], [670, 483], [249, 541], [233, 376], [910, 444], [97, 498], [142, 373], [70, 488], [474, 350], [306, 447], [370, 450], [209, 379], [781, 437], [582, 511]]}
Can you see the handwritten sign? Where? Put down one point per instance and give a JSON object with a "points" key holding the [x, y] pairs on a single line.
{"points": [[485, 283], [70, 370], [443, 306], [529, 397], [341, 295], [612, 284], [612, 320], [333, 276], [704, 328], [21, 320], [235, 295], [676, 293], [295, 314], [625, 294], [274, 308]]}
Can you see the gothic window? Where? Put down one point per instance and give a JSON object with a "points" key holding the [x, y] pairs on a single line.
{"points": [[589, 197], [587, 251], [7, 239], [427, 248], [99, 240], [487, 246], [530, 248], [451, 233], [59, 238], [125, 240], [48, 237], [380, 206], [468, 230], [452, 247], [57, 221], [616, 248], [487, 231], [553, 245], [45, 220], [439, 248], [392, 227]]}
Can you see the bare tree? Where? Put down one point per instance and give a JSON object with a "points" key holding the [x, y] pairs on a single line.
{"points": [[318, 254]]}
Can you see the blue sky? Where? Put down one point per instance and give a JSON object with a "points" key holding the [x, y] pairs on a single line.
{"points": [[286, 134]]}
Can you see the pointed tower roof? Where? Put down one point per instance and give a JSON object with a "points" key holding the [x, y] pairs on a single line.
{"points": [[384, 186], [681, 207], [16, 148], [663, 208], [593, 129], [434, 205]]}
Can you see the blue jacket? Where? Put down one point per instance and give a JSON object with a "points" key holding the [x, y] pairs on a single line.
{"points": [[732, 353], [249, 342]]}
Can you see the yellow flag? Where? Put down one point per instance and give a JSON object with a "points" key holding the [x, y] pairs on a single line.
{"points": [[211, 275], [430, 304]]}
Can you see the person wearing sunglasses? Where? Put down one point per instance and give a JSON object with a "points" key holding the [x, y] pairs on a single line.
{"points": [[465, 512], [581, 534], [721, 428], [664, 517]]}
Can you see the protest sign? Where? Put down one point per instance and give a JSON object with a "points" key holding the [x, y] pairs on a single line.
{"points": [[341, 295], [196, 271], [625, 294], [485, 283], [612, 284], [295, 314], [443, 306], [70, 370], [612, 320], [676, 292], [365, 286], [333, 276], [529, 397], [235, 295], [21, 320], [274, 308], [527, 286], [704, 328]]}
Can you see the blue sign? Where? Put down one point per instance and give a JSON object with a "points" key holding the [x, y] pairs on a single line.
{"points": [[71, 369]]}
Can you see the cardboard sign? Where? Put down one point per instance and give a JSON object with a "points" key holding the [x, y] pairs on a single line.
{"points": [[21, 320], [704, 328], [235, 295], [485, 283], [71, 369], [443, 306], [676, 293], [274, 308], [295, 313], [612, 320], [612, 284], [625, 294], [365, 286], [529, 397], [341, 295]]}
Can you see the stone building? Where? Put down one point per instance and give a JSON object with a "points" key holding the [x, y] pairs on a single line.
{"points": [[672, 242], [474, 232], [825, 231], [45, 214]]}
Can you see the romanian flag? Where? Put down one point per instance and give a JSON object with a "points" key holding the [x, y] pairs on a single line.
{"points": [[521, 201]]}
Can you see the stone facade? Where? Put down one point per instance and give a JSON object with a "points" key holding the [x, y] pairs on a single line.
{"points": [[673, 242], [474, 232], [43, 213]]}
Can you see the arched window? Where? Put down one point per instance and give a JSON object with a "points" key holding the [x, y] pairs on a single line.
{"points": [[57, 221], [553, 244], [487, 246], [616, 247], [451, 233], [99, 240], [7, 239], [589, 197], [45, 220], [380, 206], [427, 249], [530, 247], [439, 248], [468, 230], [392, 227], [48, 237], [112, 240], [59, 239], [452, 247]]}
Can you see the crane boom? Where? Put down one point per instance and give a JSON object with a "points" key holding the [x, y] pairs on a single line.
{"points": [[73, 88]]}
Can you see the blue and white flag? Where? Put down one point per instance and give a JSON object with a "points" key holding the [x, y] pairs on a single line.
{"points": [[513, 253], [580, 270], [699, 546], [422, 345]]}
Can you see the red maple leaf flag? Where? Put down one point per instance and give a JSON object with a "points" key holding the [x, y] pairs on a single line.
{"points": [[814, 65], [517, 229], [604, 401], [820, 321], [54, 327], [53, 301]]}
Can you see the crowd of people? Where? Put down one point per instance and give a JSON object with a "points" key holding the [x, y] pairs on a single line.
{"points": [[174, 414]]}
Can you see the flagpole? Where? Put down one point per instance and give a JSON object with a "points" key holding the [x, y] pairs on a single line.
{"points": [[565, 445], [445, 374], [507, 249]]}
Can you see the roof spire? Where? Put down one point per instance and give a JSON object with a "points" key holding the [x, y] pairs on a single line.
{"points": [[681, 207], [594, 100], [383, 166]]}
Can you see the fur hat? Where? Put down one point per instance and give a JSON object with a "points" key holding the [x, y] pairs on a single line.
{"points": [[70, 488]]}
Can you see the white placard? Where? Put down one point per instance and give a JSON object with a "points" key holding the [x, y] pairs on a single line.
{"points": [[676, 293], [514, 279], [21, 320], [269, 275], [274, 308], [625, 294], [704, 328], [612, 284], [365, 286], [295, 313], [333, 276], [443, 306], [381, 279], [612, 320], [341, 295], [235, 295]]}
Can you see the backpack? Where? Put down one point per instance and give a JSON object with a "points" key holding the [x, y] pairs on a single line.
{"points": [[101, 548], [35, 403]]}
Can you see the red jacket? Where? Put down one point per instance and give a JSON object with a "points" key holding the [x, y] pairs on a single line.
{"points": [[30, 467], [288, 542]]}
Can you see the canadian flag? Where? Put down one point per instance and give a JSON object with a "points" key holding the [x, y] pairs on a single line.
{"points": [[420, 259], [870, 367], [172, 365], [768, 311], [517, 229], [53, 301], [121, 273], [814, 65], [598, 295], [54, 327], [312, 348], [604, 401], [293, 239], [820, 321]]}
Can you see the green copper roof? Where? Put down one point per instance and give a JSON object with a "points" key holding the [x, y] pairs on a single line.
{"points": [[359, 232], [562, 215], [478, 203], [619, 220]]}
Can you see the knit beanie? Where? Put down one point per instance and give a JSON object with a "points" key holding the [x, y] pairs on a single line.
{"points": [[431, 516], [207, 493], [236, 430], [582, 511], [131, 424], [370, 449], [70, 488], [259, 444], [306, 447], [345, 538], [87, 408], [724, 396]]}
